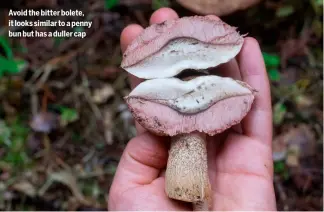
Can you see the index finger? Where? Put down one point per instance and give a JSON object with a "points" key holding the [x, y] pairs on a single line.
{"points": [[258, 122]]}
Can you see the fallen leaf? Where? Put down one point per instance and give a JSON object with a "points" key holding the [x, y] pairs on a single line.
{"points": [[303, 101], [25, 187], [68, 115], [293, 156], [102, 94], [294, 144], [302, 137]]}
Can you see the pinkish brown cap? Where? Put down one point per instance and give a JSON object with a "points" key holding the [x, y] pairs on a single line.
{"points": [[166, 49], [217, 7], [208, 104]]}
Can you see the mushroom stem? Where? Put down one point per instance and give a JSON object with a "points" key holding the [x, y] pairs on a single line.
{"points": [[187, 171], [201, 206]]}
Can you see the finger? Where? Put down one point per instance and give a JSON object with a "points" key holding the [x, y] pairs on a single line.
{"points": [[214, 17], [258, 122], [142, 161], [162, 15], [129, 34], [229, 69]]}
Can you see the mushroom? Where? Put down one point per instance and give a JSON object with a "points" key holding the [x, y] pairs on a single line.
{"points": [[187, 110], [217, 7], [168, 48]]}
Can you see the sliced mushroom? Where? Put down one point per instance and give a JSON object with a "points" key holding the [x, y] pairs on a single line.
{"points": [[191, 96], [186, 110], [208, 104], [166, 49]]}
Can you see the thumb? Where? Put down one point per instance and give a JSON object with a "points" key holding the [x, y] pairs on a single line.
{"points": [[142, 161]]}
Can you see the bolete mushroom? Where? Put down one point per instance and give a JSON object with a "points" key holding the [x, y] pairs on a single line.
{"points": [[187, 110], [217, 7]]}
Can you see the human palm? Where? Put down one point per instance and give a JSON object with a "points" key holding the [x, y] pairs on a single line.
{"points": [[239, 160]]}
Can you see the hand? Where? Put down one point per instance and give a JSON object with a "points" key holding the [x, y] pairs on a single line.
{"points": [[239, 160]]}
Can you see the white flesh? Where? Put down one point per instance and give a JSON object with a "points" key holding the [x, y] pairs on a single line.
{"points": [[190, 96], [182, 54]]}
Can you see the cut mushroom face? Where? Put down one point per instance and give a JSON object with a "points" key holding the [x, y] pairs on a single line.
{"points": [[208, 104], [166, 49], [192, 96]]}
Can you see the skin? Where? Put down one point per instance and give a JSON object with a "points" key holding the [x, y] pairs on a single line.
{"points": [[239, 160]]}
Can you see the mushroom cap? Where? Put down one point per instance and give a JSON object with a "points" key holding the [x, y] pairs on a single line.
{"points": [[217, 7], [208, 104], [166, 49]]}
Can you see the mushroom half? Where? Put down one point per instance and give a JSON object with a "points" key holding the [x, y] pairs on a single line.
{"points": [[207, 104], [166, 49], [186, 110]]}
